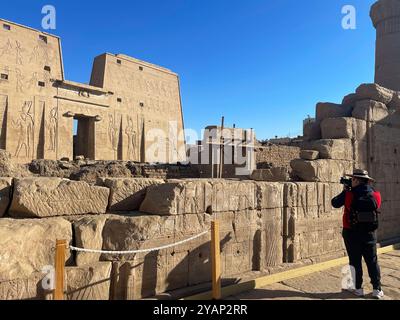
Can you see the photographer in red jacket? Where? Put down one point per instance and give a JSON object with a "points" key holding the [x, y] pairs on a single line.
{"points": [[360, 222]]}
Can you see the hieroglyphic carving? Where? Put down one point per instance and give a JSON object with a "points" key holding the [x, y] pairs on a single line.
{"points": [[6, 49], [35, 55], [25, 288], [131, 133], [40, 54], [173, 142], [113, 131], [18, 52], [32, 82], [52, 129], [25, 127], [20, 78]]}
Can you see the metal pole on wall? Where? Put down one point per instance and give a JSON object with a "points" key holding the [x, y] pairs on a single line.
{"points": [[61, 246], [215, 260], [221, 152]]}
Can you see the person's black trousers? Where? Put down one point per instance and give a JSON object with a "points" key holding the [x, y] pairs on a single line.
{"points": [[361, 244]]}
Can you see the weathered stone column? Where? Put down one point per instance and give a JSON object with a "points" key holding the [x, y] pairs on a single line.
{"points": [[385, 15]]}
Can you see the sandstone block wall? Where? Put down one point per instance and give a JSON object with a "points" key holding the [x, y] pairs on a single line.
{"points": [[312, 228], [362, 132], [263, 225], [276, 156]]}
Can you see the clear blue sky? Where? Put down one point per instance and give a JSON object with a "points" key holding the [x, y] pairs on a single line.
{"points": [[263, 64]]}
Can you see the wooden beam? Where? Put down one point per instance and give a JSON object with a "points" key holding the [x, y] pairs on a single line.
{"points": [[61, 246], [215, 261]]}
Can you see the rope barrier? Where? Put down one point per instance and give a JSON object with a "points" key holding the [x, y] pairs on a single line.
{"points": [[141, 250]]}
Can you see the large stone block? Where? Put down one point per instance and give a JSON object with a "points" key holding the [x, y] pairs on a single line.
{"points": [[371, 111], [143, 232], [269, 195], [271, 253], [128, 194], [310, 237], [276, 174], [48, 197], [373, 91], [5, 194], [321, 170], [332, 110], [309, 154], [350, 100], [199, 196], [312, 131], [233, 195], [336, 149], [25, 288], [28, 245], [89, 235], [192, 196], [314, 199], [90, 282], [343, 128]]}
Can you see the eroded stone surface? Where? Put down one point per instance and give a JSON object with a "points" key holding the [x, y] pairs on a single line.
{"points": [[336, 149], [128, 194], [5, 194], [28, 245], [373, 91], [343, 128], [272, 175], [309, 154], [47, 197], [332, 110], [321, 170], [89, 282], [89, 235], [370, 110]]}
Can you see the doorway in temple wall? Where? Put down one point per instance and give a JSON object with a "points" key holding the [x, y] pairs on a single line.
{"points": [[84, 137]]}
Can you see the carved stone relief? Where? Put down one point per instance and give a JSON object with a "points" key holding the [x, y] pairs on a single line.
{"points": [[19, 78], [25, 130], [113, 131], [52, 129], [132, 136], [6, 49], [18, 52], [32, 82]]}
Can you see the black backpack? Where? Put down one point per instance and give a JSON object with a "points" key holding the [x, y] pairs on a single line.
{"points": [[364, 212]]}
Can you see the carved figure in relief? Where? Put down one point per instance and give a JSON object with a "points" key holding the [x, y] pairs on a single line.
{"points": [[113, 132], [25, 127], [20, 78], [163, 90], [6, 49], [18, 52], [33, 80], [35, 55], [131, 133], [40, 54], [52, 129]]}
